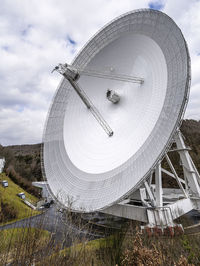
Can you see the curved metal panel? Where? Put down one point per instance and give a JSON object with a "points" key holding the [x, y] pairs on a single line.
{"points": [[81, 162]]}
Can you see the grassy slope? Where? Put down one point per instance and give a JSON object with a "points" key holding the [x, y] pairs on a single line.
{"points": [[134, 249], [14, 235], [9, 196], [18, 245], [76, 250]]}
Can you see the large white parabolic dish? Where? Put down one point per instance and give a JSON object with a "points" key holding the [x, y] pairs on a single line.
{"points": [[81, 162]]}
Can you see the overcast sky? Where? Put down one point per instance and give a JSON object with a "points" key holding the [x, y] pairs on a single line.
{"points": [[36, 35]]}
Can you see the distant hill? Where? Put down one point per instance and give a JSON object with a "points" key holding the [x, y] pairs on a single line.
{"points": [[191, 132], [27, 149], [23, 165]]}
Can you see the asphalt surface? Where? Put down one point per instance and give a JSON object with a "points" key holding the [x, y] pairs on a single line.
{"points": [[48, 219], [54, 221]]}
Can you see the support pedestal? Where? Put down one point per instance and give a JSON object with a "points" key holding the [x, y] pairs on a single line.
{"points": [[158, 207]]}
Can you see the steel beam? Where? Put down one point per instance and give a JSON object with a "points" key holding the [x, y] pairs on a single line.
{"points": [[128, 211], [158, 182], [189, 171]]}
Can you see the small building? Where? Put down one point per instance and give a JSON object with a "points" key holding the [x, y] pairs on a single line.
{"points": [[21, 195], [4, 183], [45, 192]]}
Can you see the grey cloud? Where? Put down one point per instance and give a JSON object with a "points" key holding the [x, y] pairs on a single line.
{"points": [[35, 36]]}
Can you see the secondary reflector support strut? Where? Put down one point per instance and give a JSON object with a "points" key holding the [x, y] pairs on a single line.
{"points": [[112, 76], [72, 76]]}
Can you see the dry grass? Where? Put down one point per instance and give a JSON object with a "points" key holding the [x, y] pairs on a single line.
{"points": [[123, 247], [18, 245]]}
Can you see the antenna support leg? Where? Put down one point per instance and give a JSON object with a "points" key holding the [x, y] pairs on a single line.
{"points": [[158, 207], [158, 183]]}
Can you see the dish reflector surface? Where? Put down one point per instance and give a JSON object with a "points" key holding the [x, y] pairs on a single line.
{"points": [[80, 161], [132, 119]]}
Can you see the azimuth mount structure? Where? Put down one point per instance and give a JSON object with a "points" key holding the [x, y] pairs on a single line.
{"points": [[113, 119]]}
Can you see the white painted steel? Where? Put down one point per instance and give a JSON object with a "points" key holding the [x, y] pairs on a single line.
{"points": [[131, 120], [2, 163], [80, 161]]}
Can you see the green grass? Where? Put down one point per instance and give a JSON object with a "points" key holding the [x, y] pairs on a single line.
{"points": [[12, 237], [88, 248], [18, 246], [9, 195]]}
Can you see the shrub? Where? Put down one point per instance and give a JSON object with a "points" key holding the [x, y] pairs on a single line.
{"points": [[22, 182], [7, 212]]}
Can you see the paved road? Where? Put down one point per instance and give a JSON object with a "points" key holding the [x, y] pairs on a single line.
{"points": [[52, 220], [194, 216], [48, 219]]}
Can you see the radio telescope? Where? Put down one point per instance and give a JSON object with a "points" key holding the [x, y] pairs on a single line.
{"points": [[114, 117]]}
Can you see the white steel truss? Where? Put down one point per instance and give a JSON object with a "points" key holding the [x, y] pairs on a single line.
{"points": [[159, 206]]}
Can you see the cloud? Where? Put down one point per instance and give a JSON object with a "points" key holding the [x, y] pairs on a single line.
{"points": [[186, 15], [158, 5], [35, 36]]}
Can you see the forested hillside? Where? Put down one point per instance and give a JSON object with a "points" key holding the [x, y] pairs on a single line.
{"points": [[23, 165], [191, 132]]}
